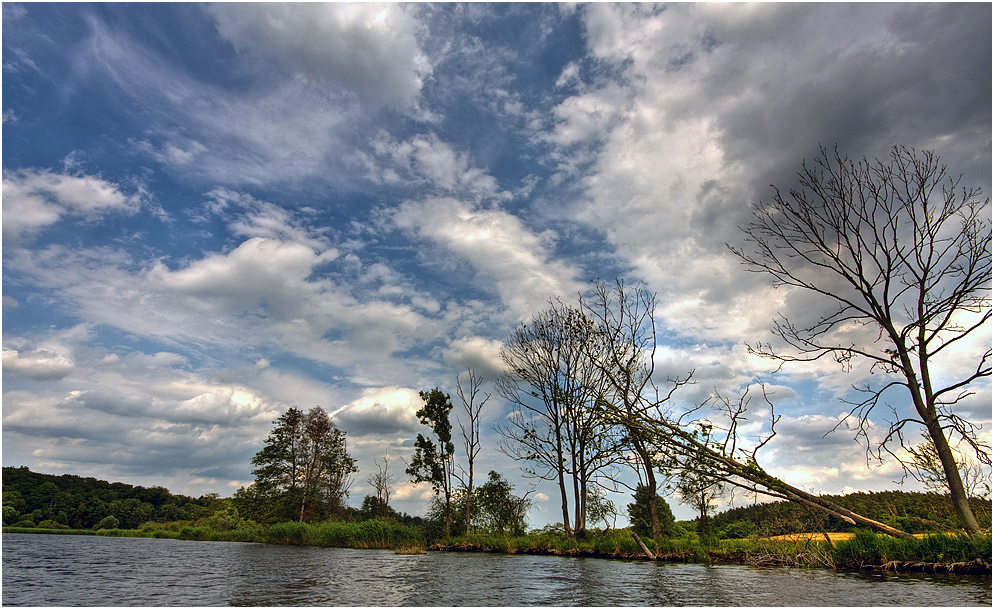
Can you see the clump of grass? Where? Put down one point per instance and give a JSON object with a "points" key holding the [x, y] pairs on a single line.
{"points": [[410, 549], [868, 547], [286, 533]]}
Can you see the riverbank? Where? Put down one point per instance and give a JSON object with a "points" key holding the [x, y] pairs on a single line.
{"points": [[864, 550]]}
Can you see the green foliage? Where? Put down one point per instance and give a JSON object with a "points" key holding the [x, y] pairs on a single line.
{"points": [[81, 503], [109, 522], [302, 473], [286, 533], [910, 512], [51, 524], [431, 463], [641, 523], [866, 546]]}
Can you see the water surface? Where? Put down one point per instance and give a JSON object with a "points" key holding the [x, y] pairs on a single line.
{"points": [[58, 570]]}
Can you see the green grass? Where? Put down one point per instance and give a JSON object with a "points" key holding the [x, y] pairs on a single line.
{"points": [[866, 546]]}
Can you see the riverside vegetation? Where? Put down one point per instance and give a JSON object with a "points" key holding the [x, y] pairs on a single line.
{"points": [[31, 498]]}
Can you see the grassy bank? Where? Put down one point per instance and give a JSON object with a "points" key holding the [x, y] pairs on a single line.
{"points": [[861, 550], [369, 534]]}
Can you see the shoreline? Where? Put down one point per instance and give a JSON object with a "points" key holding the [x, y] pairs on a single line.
{"points": [[978, 566], [818, 558]]}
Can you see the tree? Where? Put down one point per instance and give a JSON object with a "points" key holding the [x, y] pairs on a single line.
{"points": [[552, 384], [500, 510], [433, 459], [601, 509], [699, 491], [898, 250], [711, 446], [472, 407], [639, 514], [304, 468], [926, 467], [626, 321], [381, 481]]}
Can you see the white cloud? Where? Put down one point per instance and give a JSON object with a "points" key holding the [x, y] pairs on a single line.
{"points": [[371, 49], [381, 411], [515, 261], [38, 364], [36, 198]]}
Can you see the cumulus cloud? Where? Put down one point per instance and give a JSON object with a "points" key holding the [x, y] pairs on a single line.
{"points": [[478, 353], [371, 49], [382, 411], [505, 254], [39, 364], [36, 198]]}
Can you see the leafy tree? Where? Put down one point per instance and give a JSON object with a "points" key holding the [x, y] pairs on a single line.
{"points": [[304, 469], [433, 458], [898, 249], [500, 510], [639, 514], [108, 523], [601, 509]]}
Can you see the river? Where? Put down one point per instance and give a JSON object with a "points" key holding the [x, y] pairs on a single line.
{"points": [[62, 570]]}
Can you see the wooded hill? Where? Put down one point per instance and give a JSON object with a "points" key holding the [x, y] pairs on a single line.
{"points": [[909, 512], [82, 503]]}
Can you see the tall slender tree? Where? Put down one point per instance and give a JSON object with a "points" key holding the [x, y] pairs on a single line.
{"points": [[433, 457], [472, 408]]}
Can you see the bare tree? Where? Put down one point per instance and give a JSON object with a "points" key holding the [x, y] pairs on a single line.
{"points": [[382, 481], [712, 449], [899, 250], [624, 356], [926, 467], [472, 407], [552, 384]]}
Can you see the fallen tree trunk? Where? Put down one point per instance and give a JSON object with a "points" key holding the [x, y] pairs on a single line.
{"points": [[642, 545]]}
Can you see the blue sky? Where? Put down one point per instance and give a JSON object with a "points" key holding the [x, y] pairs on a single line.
{"points": [[212, 213]]}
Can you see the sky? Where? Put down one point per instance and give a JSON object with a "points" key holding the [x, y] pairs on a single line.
{"points": [[215, 212]]}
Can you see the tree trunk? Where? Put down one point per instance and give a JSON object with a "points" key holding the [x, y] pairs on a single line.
{"points": [[642, 545], [961, 502]]}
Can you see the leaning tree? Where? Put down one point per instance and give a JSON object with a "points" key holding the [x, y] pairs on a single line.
{"points": [[902, 256]]}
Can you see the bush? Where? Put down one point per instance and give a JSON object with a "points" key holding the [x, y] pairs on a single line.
{"points": [[292, 533], [25, 524], [51, 524], [107, 523]]}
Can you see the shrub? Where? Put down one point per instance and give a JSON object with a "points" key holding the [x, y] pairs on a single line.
{"points": [[107, 523], [51, 524], [293, 533], [25, 524]]}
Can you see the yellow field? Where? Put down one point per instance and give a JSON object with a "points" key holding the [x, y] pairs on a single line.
{"points": [[816, 536]]}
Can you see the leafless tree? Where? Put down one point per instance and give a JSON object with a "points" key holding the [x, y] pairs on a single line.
{"points": [[926, 467], [625, 318], [711, 449], [552, 384], [902, 253], [472, 407], [382, 481]]}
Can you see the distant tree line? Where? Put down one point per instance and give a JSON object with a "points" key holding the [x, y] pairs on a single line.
{"points": [[31, 498], [909, 511]]}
